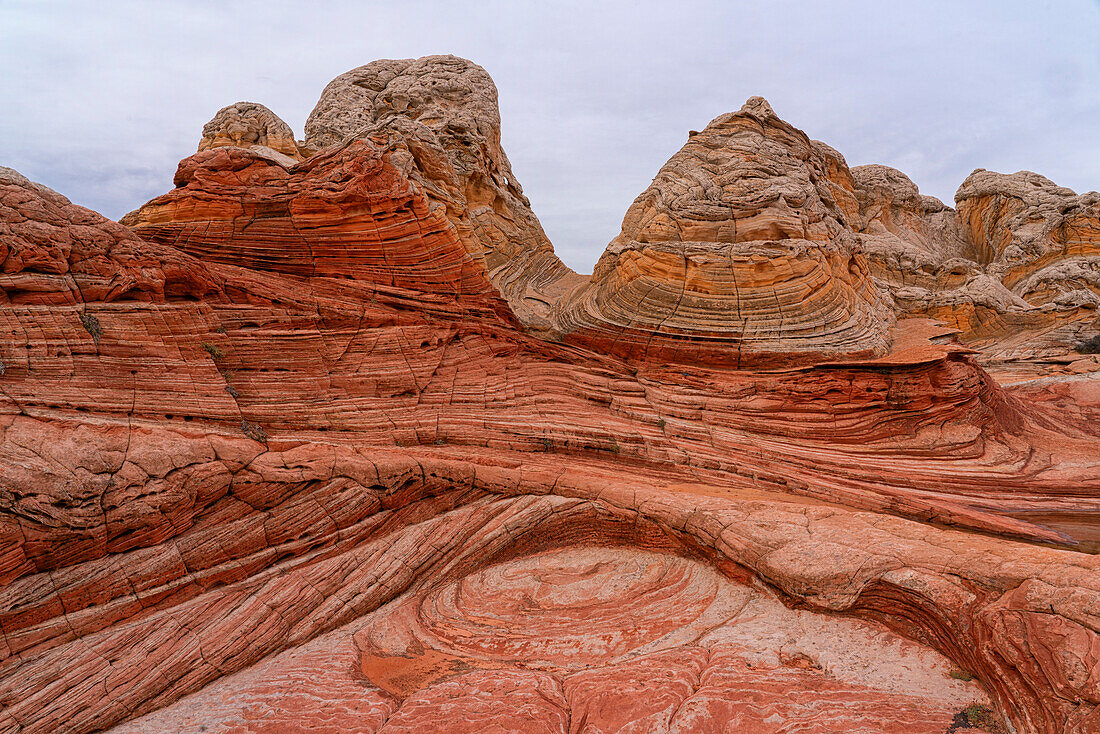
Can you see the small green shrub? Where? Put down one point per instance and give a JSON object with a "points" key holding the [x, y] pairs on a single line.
{"points": [[214, 351], [91, 325], [983, 717], [977, 716], [961, 675], [232, 391], [254, 431]]}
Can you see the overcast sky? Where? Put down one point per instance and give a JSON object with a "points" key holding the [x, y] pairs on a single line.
{"points": [[100, 100]]}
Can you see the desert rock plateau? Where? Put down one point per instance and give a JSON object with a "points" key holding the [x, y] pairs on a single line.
{"points": [[327, 439]]}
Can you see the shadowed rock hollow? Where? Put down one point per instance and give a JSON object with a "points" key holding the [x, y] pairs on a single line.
{"points": [[326, 438]]}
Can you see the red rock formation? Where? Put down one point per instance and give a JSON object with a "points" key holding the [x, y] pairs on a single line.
{"points": [[908, 238], [347, 212], [573, 610], [444, 110], [307, 470], [55, 253]]}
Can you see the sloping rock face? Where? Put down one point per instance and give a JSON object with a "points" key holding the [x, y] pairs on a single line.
{"points": [[624, 640], [304, 468], [53, 253], [739, 253]]}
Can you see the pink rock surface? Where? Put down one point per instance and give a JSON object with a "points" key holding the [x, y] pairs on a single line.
{"points": [[584, 640], [309, 454]]}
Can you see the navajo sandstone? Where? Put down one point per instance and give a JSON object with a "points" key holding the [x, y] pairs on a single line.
{"points": [[327, 438]]}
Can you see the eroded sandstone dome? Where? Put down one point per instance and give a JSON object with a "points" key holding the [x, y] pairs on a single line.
{"points": [[249, 125], [444, 110], [738, 250]]}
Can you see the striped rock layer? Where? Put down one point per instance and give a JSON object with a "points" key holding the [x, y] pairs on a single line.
{"points": [[348, 212], [738, 253], [445, 109], [280, 455]]}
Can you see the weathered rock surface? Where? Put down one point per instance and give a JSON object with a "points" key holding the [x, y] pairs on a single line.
{"points": [[1041, 240], [737, 253], [250, 125], [908, 238], [444, 109], [53, 253], [347, 212], [1014, 266], [309, 472]]}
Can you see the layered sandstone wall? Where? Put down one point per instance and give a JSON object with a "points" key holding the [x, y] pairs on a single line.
{"points": [[445, 110], [53, 253], [348, 212], [1013, 265]]}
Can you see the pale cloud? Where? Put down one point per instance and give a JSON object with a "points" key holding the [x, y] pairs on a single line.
{"points": [[101, 100]]}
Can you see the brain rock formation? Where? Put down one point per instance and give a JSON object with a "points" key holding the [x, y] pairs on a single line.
{"points": [[326, 438], [737, 251], [250, 125]]}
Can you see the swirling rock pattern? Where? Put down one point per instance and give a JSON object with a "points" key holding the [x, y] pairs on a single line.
{"points": [[737, 253], [597, 640], [978, 599], [282, 457]]}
